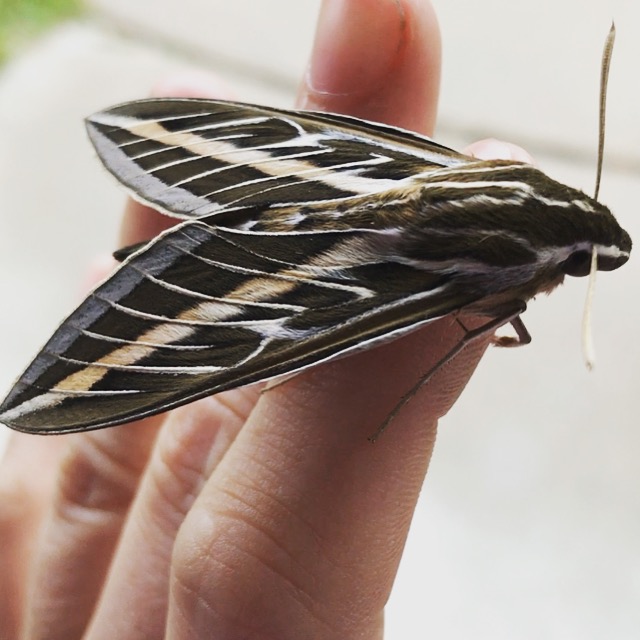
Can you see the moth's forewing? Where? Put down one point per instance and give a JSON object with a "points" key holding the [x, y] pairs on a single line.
{"points": [[198, 157]]}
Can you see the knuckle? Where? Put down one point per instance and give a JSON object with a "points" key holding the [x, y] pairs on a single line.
{"points": [[187, 451], [96, 477]]}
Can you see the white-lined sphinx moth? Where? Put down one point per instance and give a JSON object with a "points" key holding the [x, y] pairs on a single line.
{"points": [[305, 236]]}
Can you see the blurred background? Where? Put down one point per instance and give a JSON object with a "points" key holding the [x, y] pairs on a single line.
{"points": [[529, 522]]}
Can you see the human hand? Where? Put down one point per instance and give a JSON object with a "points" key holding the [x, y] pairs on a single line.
{"points": [[246, 515]]}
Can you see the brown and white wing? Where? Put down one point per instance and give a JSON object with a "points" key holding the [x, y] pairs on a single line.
{"points": [[202, 309], [194, 158]]}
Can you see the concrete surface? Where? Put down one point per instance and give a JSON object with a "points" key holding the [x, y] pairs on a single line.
{"points": [[529, 524]]}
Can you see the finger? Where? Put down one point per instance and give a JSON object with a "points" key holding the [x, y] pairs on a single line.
{"points": [[367, 62], [96, 485], [97, 478], [192, 441], [189, 447], [491, 149], [27, 477], [301, 527]]}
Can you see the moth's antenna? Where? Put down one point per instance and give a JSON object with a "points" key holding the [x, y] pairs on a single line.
{"points": [[604, 79], [587, 338]]}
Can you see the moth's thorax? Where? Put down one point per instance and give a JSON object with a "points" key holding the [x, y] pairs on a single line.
{"points": [[504, 226], [495, 226]]}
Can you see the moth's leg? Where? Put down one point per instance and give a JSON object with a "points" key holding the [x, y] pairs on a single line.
{"points": [[523, 336], [471, 335], [124, 252]]}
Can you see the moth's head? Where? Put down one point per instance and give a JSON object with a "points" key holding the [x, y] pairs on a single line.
{"points": [[569, 223], [600, 231]]}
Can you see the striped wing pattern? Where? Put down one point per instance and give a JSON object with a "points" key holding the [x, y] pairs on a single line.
{"points": [[203, 309], [192, 158], [222, 300]]}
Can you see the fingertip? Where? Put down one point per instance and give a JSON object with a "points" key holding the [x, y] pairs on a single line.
{"points": [[193, 84], [492, 149], [349, 30], [379, 61]]}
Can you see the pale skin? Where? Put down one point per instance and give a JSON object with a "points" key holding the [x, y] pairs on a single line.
{"points": [[247, 514]]}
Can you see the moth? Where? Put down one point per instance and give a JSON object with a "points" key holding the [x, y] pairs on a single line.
{"points": [[303, 236]]}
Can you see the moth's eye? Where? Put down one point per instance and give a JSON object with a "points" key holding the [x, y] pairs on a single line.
{"points": [[577, 264]]}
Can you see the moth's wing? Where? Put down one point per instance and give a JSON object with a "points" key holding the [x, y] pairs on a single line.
{"points": [[194, 158], [202, 309]]}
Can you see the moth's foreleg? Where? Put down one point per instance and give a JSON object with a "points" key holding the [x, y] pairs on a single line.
{"points": [[511, 315]]}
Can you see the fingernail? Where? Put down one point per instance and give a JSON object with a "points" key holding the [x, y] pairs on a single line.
{"points": [[356, 42]]}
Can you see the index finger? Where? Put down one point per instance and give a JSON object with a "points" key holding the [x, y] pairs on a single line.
{"points": [[304, 520]]}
